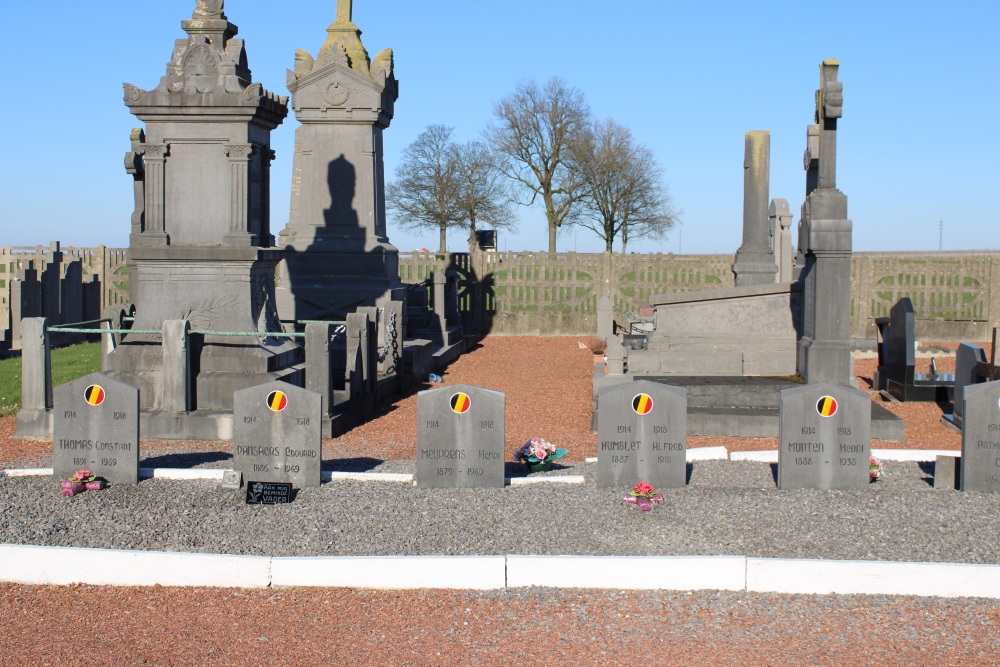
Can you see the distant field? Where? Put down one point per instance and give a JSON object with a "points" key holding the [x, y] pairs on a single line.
{"points": [[68, 363]]}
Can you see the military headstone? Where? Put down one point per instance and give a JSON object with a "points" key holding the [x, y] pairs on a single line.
{"points": [[460, 438], [95, 427], [642, 435], [981, 438], [824, 435], [277, 434]]}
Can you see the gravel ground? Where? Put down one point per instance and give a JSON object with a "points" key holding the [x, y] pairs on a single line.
{"points": [[728, 508]]}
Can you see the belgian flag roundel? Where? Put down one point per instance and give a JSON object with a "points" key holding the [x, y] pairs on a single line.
{"points": [[94, 395], [277, 400], [642, 404], [461, 403], [826, 406]]}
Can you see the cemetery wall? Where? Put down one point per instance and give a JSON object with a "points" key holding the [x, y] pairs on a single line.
{"points": [[955, 295]]}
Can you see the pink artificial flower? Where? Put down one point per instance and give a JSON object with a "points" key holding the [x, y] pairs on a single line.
{"points": [[644, 489]]}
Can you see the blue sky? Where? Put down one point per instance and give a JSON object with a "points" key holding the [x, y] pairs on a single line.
{"points": [[917, 142]]}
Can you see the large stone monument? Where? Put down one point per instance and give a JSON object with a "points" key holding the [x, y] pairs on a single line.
{"points": [[754, 264], [338, 257], [824, 350], [201, 248]]}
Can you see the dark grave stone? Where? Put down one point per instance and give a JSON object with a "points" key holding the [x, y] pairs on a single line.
{"points": [[642, 435], [946, 469], [897, 376], [277, 434], [980, 462], [460, 438], [824, 438], [967, 361], [269, 493], [95, 426]]}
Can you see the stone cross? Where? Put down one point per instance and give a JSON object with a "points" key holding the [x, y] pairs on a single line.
{"points": [[829, 107], [211, 9], [344, 11]]}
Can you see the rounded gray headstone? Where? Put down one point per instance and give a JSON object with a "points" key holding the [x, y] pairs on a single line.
{"points": [[460, 438], [277, 434], [824, 438], [95, 426], [981, 438], [642, 435]]}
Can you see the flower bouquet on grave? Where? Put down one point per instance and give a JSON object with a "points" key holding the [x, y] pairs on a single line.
{"points": [[80, 481], [875, 469], [643, 495], [539, 454]]}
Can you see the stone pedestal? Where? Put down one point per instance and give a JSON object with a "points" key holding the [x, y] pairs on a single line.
{"points": [[338, 257], [754, 264]]}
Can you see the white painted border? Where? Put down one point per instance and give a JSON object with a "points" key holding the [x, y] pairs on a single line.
{"points": [[725, 573], [771, 455], [766, 456], [463, 572], [108, 567], [873, 578], [554, 479], [64, 565]]}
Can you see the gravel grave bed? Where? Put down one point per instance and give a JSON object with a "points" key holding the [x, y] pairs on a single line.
{"points": [[729, 507]]}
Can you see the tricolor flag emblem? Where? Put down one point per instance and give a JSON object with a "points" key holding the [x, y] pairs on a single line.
{"points": [[826, 406], [277, 400], [642, 404], [94, 395], [461, 403]]}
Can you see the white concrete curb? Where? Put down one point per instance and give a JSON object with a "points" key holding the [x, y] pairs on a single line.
{"points": [[464, 572], [767, 456], [913, 454], [555, 479], [210, 474], [872, 578], [108, 567], [725, 573], [707, 454], [27, 472], [328, 476]]}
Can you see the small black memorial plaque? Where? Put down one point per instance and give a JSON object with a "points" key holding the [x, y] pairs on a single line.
{"points": [[642, 435], [824, 436], [277, 434], [269, 493], [981, 437], [460, 438], [95, 426]]}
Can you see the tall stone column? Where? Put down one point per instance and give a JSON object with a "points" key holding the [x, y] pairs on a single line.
{"points": [[754, 263], [824, 352], [338, 257]]}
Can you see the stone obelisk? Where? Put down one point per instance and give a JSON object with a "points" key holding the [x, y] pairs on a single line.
{"points": [[754, 263], [338, 257]]}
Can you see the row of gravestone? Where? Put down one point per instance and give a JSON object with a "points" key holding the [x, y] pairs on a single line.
{"points": [[824, 435]]}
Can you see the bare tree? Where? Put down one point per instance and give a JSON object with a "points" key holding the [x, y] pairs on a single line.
{"points": [[427, 189], [485, 191], [533, 129], [623, 195]]}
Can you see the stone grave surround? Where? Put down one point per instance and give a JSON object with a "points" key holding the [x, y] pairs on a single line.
{"points": [[337, 253], [980, 465], [96, 427], [201, 247], [642, 436], [460, 438], [824, 439]]}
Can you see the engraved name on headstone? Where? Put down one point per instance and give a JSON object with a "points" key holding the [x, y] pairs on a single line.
{"points": [[981, 438], [277, 434], [95, 427], [460, 438], [642, 435], [824, 436]]}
